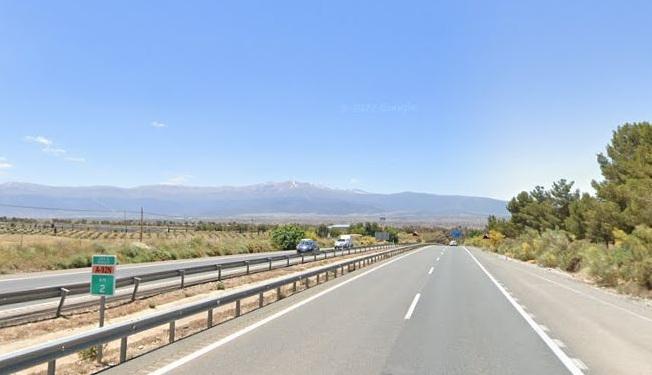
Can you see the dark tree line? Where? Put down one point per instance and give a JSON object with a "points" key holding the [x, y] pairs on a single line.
{"points": [[623, 199]]}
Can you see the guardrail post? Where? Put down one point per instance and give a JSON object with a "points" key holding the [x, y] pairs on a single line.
{"points": [[327, 272], [102, 308], [247, 264], [270, 264], [287, 259], [123, 350], [136, 284], [302, 260], [307, 282], [314, 256], [173, 328], [237, 308], [261, 299], [209, 319], [64, 293], [182, 273], [294, 287], [52, 365], [278, 293], [219, 272], [317, 278]]}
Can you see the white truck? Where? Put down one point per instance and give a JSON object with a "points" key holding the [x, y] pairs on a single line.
{"points": [[344, 241]]}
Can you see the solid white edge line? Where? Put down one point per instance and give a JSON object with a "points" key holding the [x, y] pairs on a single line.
{"points": [[580, 364], [560, 354], [559, 343], [206, 349], [408, 314], [431, 269]]}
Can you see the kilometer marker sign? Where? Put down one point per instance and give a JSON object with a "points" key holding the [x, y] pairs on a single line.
{"points": [[103, 275]]}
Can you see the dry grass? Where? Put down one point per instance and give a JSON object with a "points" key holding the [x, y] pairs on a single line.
{"points": [[37, 252], [73, 248]]}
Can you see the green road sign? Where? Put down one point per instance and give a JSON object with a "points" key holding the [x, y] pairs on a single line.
{"points": [[103, 275], [104, 260], [102, 285]]}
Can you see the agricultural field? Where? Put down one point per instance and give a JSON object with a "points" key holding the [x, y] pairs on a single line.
{"points": [[30, 248]]}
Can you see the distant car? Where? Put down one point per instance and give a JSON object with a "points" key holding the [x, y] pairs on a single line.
{"points": [[307, 245], [453, 243], [344, 242]]}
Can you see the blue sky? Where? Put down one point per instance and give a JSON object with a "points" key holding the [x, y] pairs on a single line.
{"points": [[478, 98]]}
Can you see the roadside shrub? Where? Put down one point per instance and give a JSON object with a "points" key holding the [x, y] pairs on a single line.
{"points": [[551, 247], [635, 255], [80, 261], [257, 246], [89, 354], [286, 237], [495, 239], [547, 259], [135, 254], [571, 260], [602, 264]]}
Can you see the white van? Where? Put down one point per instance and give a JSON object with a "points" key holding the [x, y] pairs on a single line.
{"points": [[345, 241]]}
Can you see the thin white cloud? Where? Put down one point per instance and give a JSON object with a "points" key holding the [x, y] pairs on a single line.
{"points": [[156, 124], [177, 180], [54, 151], [48, 146], [75, 159], [40, 140], [354, 181], [4, 165]]}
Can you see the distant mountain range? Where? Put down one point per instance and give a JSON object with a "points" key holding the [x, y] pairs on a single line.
{"points": [[284, 200]]}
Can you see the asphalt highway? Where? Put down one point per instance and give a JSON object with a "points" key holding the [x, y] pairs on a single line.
{"points": [[438, 310]]}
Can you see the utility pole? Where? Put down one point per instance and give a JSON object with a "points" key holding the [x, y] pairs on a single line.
{"points": [[141, 224]]}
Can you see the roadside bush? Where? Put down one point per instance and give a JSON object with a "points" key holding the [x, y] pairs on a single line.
{"points": [[80, 261], [286, 237], [135, 254], [602, 264], [254, 246], [89, 354], [571, 260], [635, 255], [551, 247]]}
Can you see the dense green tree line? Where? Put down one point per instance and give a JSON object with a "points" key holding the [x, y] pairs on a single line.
{"points": [[609, 232], [623, 199]]}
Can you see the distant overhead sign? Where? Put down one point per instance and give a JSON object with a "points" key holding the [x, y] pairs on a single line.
{"points": [[103, 269], [382, 236], [456, 233]]}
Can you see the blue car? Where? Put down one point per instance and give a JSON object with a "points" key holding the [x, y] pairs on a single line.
{"points": [[307, 245]]}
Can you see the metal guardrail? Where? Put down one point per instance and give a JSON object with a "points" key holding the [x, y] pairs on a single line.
{"points": [[51, 351], [64, 291]]}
